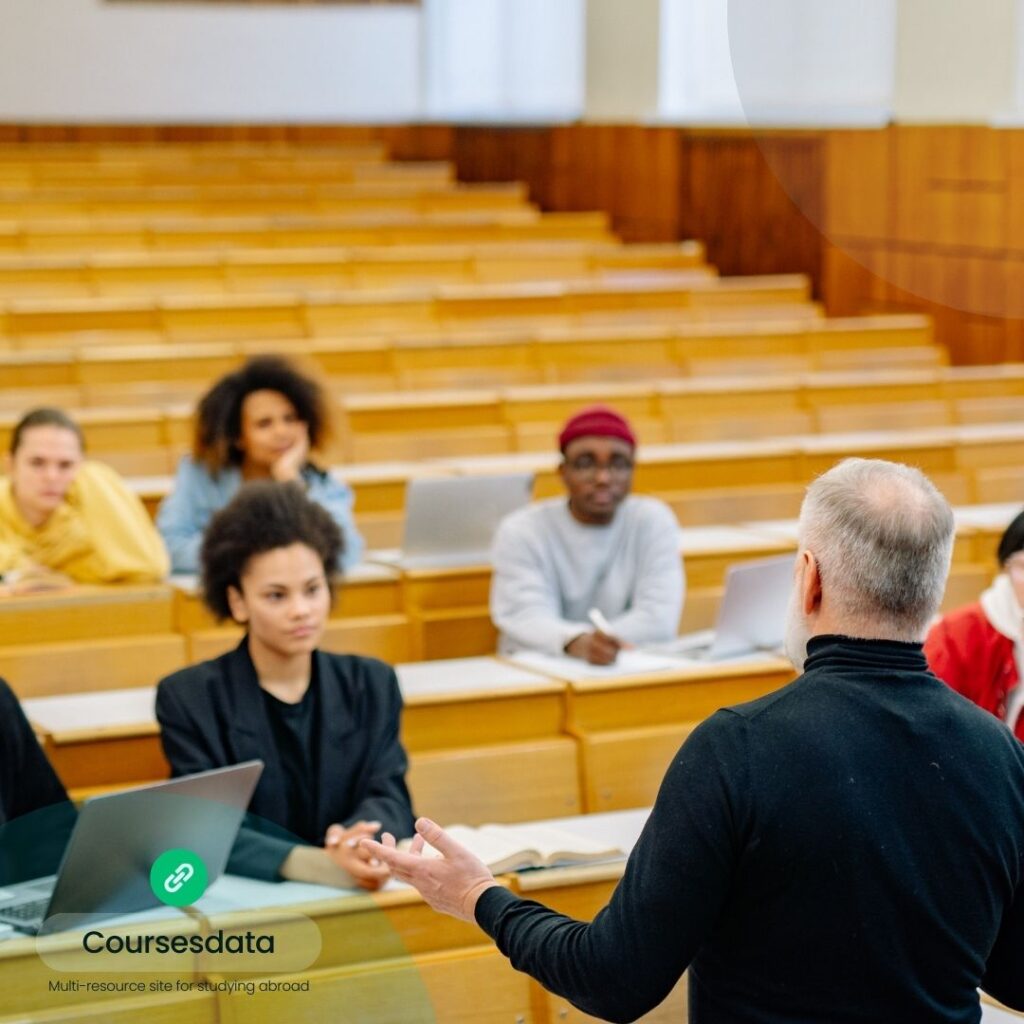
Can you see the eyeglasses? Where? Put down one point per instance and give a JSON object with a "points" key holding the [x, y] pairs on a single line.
{"points": [[587, 467]]}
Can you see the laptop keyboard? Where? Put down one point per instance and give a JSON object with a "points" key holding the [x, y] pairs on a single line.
{"points": [[25, 911]]}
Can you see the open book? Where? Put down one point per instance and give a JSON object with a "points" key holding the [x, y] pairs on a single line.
{"points": [[511, 847]]}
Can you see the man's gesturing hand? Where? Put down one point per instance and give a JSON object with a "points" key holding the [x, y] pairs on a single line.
{"points": [[451, 883]]}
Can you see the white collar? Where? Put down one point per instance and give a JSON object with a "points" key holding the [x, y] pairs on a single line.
{"points": [[1001, 608]]}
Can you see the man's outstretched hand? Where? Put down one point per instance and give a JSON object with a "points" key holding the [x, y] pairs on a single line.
{"points": [[451, 883]]}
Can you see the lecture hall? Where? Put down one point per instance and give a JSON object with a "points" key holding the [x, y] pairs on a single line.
{"points": [[511, 511]]}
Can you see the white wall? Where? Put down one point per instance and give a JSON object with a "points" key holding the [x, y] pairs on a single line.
{"points": [[785, 61], [957, 61], [504, 59], [695, 74], [71, 61], [830, 61], [622, 59]]}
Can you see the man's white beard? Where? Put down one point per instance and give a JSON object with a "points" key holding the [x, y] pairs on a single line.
{"points": [[797, 631]]}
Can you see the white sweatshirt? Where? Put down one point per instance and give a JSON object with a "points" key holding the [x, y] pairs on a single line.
{"points": [[550, 570]]}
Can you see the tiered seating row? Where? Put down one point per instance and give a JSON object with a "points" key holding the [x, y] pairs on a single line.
{"points": [[721, 482], [297, 231], [93, 168], [109, 638], [106, 204], [281, 315], [473, 356], [404, 426], [464, 719], [155, 273]]}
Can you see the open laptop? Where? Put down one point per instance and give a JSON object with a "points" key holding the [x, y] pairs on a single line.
{"points": [[752, 615], [451, 521], [116, 838]]}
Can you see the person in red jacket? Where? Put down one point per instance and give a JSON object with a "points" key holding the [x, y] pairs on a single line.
{"points": [[979, 649]]}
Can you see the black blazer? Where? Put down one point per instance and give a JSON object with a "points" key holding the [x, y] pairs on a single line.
{"points": [[35, 814], [213, 714]]}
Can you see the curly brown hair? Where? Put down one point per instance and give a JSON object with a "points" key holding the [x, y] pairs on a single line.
{"points": [[263, 516], [218, 423]]}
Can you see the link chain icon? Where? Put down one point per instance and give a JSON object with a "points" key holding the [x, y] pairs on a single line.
{"points": [[178, 878]]}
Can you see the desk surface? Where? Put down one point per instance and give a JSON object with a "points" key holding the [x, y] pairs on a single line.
{"points": [[73, 717], [695, 541], [231, 893], [641, 667], [88, 714], [455, 678], [78, 594], [987, 517]]}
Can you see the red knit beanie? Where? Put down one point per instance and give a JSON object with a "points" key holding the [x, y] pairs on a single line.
{"points": [[596, 421]]}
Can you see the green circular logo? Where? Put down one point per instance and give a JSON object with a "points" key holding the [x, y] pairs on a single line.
{"points": [[178, 878]]}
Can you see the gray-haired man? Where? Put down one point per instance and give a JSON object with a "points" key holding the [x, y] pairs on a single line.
{"points": [[849, 848]]}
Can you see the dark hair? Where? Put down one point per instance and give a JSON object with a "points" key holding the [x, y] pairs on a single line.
{"points": [[261, 517], [45, 417], [1012, 539], [218, 424]]}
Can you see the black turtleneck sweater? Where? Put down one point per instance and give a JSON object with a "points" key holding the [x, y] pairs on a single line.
{"points": [[849, 848]]}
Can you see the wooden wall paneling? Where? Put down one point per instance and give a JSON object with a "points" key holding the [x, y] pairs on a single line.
{"points": [[951, 186], [646, 196], [417, 141], [505, 154], [974, 339], [857, 200], [911, 222], [583, 159], [1015, 191], [854, 277], [756, 201], [967, 296]]}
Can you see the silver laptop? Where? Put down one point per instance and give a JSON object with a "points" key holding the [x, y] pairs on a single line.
{"points": [[451, 521], [105, 869], [752, 615]]}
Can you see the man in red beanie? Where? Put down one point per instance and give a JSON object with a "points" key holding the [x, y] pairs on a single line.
{"points": [[603, 550]]}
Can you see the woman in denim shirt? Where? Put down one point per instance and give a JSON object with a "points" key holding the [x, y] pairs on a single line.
{"points": [[258, 423]]}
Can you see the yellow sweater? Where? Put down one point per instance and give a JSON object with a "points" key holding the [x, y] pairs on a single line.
{"points": [[100, 533]]}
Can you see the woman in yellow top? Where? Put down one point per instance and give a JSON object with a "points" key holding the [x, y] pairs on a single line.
{"points": [[61, 513]]}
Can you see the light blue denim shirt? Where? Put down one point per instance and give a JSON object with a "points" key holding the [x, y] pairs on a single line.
{"points": [[185, 512]]}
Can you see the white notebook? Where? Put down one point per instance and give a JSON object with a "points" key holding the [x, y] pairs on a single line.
{"points": [[628, 663]]}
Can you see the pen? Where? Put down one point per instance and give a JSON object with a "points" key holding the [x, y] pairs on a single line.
{"points": [[599, 622]]}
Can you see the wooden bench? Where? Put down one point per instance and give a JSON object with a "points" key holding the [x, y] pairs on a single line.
{"points": [[70, 236], [157, 273]]}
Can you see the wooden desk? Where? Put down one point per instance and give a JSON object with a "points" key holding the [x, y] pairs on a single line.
{"points": [[982, 527], [392, 956], [629, 725], [46, 669], [29, 965], [100, 739], [85, 612], [449, 611], [466, 721]]}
